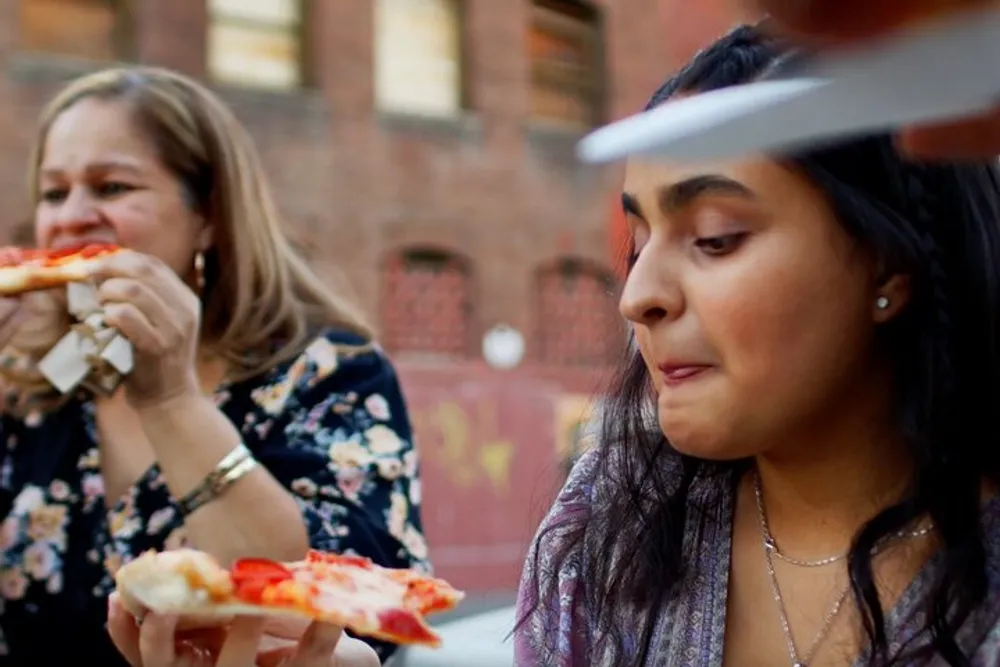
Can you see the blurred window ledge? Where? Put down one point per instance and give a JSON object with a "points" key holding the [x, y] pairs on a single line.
{"points": [[465, 125], [41, 67]]}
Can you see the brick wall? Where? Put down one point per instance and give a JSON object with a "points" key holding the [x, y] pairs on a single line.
{"points": [[357, 187], [355, 184]]}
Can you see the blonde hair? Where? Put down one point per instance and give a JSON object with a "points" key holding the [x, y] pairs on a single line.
{"points": [[262, 303]]}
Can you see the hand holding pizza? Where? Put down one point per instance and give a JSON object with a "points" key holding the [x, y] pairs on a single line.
{"points": [[155, 641], [153, 308]]}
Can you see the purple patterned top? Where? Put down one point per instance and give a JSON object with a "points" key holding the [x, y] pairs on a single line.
{"points": [[560, 632]]}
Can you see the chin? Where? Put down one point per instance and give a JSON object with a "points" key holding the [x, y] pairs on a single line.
{"points": [[708, 440]]}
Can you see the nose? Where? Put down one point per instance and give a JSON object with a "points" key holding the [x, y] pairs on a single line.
{"points": [[652, 294], [78, 213]]}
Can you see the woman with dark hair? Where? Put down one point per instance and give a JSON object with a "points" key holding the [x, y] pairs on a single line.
{"points": [[798, 465]]}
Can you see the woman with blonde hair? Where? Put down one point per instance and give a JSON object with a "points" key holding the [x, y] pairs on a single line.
{"points": [[259, 418]]}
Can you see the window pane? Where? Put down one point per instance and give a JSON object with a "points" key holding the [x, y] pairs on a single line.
{"points": [[260, 57], [270, 12], [418, 56], [564, 67], [84, 28]]}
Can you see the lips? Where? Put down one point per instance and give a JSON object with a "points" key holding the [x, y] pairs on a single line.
{"points": [[674, 374]]}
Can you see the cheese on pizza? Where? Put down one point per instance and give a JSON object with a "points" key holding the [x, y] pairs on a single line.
{"points": [[24, 270], [348, 591]]}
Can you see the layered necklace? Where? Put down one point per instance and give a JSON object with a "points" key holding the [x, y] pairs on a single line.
{"points": [[771, 552]]}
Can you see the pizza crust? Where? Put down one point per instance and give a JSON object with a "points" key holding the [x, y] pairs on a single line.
{"points": [[32, 273], [169, 583], [342, 590]]}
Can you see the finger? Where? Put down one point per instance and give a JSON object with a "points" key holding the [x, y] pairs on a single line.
{"points": [[316, 646], [138, 294], [286, 627], [135, 326], [124, 631], [156, 640], [240, 647], [976, 138], [145, 269]]}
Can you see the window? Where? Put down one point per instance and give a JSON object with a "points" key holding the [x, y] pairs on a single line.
{"points": [[578, 318], [418, 56], [93, 29], [427, 303], [564, 50], [256, 42]]}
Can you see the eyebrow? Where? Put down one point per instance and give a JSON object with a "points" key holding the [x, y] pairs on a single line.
{"points": [[111, 165], [680, 194]]}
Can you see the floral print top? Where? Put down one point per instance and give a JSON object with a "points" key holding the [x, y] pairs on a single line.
{"points": [[332, 428], [558, 630]]}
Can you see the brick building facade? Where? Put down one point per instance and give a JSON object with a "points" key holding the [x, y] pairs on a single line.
{"points": [[422, 152]]}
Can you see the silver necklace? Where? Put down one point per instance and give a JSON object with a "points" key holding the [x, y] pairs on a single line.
{"points": [[798, 659], [773, 550]]}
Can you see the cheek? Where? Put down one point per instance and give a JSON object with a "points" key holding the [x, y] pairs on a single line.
{"points": [[137, 222], [790, 328], [642, 340], [164, 230], [44, 226]]}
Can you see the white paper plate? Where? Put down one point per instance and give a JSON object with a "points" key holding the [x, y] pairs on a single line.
{"points": [[936, 72]]}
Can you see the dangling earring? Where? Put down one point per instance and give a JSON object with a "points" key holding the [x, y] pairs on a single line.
{"points": [[199, 270], [882, 302]]}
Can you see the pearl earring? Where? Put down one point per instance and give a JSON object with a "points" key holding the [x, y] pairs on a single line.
{"points": [[882, 302], [199, 270]]}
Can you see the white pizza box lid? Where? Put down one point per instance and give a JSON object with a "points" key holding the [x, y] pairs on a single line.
{"points": [[64, 366], [71, 362], [936, 71], [81, 300]]}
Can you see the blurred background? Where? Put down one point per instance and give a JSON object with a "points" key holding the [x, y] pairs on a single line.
{"points": [[422, 153]]}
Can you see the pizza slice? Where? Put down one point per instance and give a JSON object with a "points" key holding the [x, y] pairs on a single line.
{"points": [[26, 270], [348, 591]]}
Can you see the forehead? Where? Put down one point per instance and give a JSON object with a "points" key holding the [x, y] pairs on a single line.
{"points": [[93, 130]]}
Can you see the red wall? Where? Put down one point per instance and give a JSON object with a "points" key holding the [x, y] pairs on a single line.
{"points": [[489, 444]]}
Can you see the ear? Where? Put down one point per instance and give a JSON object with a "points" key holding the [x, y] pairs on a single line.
{"points": [[206, 237], [891, 297]]}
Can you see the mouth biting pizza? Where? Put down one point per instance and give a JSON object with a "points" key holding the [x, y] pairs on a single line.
{"points": [[348, 591]]}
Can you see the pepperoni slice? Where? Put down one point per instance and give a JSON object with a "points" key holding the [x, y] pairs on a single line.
{"points": [[253, 576]]}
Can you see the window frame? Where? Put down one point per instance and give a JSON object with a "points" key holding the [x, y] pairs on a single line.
{"points": [[123, 46], [463, 81], [298, 29], [587, 26]]}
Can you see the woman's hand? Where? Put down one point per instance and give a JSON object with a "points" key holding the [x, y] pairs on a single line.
{"points": [[845, 22], [247, 642], [152, 307]]}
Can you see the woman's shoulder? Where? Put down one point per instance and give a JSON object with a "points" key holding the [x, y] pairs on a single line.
{"points": [[337, 354], [334, 362]]}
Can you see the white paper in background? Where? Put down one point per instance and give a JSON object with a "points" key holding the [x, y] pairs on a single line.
{"points": [[937, 71]]}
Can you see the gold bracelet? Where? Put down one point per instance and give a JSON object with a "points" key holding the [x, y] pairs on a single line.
{"points": [[230, 469]]}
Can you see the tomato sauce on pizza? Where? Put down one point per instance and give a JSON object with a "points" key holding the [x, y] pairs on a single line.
{"points": [[27, 269], [348, 591]]}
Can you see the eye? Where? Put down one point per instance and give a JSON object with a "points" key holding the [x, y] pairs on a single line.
{"points": [[632, 257], [718, 246], [112, 189], [53, 195]]}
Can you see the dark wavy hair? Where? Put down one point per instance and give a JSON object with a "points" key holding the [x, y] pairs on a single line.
{"points": [[939, 225]]}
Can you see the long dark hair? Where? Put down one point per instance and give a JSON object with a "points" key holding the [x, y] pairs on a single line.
{"points": [[939, 225]]}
